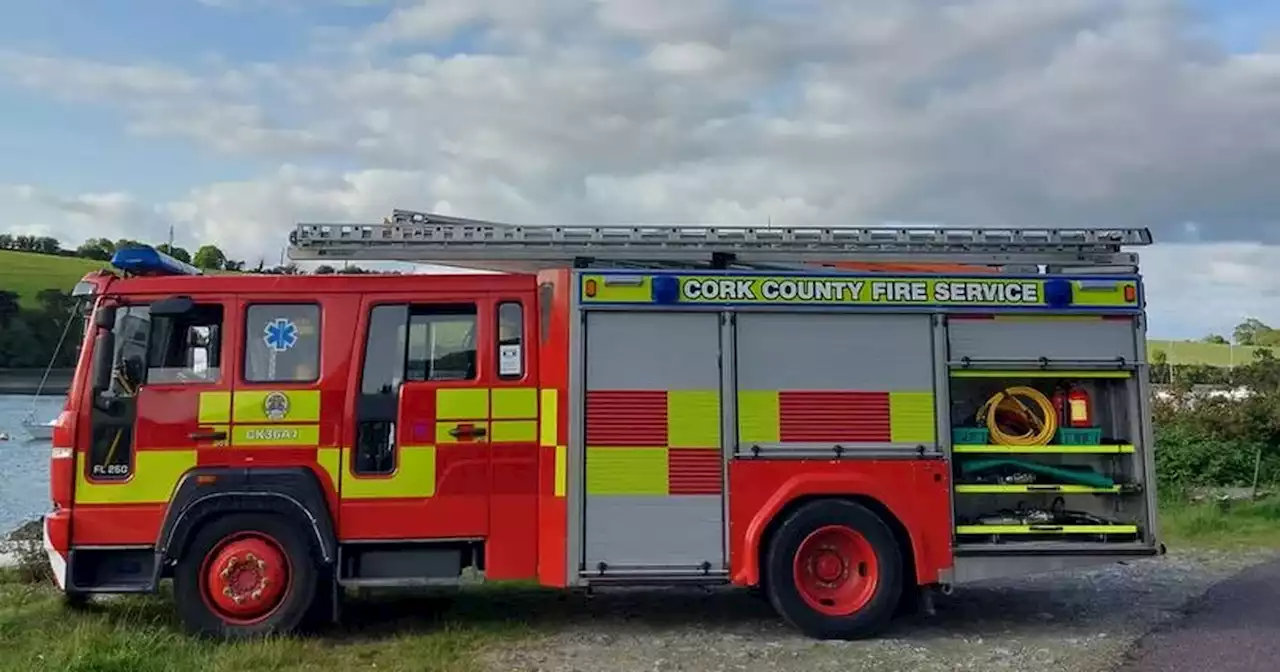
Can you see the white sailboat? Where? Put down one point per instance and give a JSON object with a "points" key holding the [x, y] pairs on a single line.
{"points": [[35, 429]]}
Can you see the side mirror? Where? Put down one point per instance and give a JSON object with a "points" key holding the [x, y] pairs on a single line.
{"points": [[104, 351], [105, 318], [174, 306]]}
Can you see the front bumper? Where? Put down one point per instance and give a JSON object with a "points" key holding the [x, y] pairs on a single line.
{"points": [[57, 544]]}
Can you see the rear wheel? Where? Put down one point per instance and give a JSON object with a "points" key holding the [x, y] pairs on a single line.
{"points": [[834, 570], [246, 575]]}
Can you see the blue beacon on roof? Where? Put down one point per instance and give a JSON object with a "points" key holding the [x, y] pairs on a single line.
{"points": [[148, 261]]}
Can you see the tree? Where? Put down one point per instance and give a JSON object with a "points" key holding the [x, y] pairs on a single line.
{"points": [[1248, 332], [1216, 339], [20, 348], [210, 258], [99, 249], [8, 307], [47, 245], [56, 302]]}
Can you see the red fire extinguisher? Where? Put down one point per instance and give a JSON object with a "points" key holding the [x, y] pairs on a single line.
{"points": [[1079, 408], [1060, 406]]}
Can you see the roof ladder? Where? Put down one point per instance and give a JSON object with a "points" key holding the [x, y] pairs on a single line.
{"points": [[419, 237]]}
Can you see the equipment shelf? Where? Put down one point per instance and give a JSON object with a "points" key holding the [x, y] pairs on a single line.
{"points": [[1045, 529], [1044, 450], [1047, 488]]}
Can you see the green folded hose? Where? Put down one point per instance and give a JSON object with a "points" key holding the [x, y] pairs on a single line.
{"points": [[1061, 475]]}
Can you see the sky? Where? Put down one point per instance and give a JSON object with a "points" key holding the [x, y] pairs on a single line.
{"points": [[232, 120]]}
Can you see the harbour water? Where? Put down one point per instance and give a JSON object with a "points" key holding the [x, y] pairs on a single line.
{"points": [[24, 464]]}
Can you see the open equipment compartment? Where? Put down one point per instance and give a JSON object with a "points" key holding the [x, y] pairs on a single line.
{"points": [[1086, 484]]}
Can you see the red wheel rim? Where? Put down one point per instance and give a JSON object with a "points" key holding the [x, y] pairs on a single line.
{"points": [[245, 577], [836, 571]]}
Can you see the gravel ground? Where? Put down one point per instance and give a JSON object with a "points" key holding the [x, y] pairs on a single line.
{"points": [[1080, 621]]}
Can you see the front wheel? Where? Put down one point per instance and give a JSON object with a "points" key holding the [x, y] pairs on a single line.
{"points": [[834, 570], [245, 575]]}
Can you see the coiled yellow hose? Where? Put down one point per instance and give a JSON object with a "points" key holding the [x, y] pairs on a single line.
{"points": [[1046, 422]]}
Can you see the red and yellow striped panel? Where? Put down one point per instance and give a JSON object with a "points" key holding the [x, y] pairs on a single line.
{"points": [[694, 471], [803, 416], [833, 416], [654, 443], [621, 419]]}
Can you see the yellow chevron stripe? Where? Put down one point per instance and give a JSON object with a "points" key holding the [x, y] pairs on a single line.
{"points": [[414, 476], [562, 459], [758, 417], [626, 471], [471, 403], [549, 418], [514, 403], [215, 408], [513, 431], [693, 419], [912, 417], [155, 475]]}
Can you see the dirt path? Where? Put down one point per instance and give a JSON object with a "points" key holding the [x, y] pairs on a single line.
{"points": [[1234, 628], [1077, 622]]}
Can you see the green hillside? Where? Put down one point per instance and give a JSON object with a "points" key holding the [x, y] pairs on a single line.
{"points": [[29, 274], [1209, 354]]}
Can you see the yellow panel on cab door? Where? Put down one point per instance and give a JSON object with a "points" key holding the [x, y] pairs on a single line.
{"points": [[414, 476]]}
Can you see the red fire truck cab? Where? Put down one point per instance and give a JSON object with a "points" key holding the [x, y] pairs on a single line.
{"points": [[266, 442]]}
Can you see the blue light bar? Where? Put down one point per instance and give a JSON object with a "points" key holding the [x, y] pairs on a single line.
{"points": [[149, 261]]}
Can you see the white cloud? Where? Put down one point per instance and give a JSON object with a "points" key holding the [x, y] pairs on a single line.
{"points": [[970, 112], [688, 57], [30, 210], [1197, 289]]}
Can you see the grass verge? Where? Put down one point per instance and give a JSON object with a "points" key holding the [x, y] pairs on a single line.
{"points": [[1222, 524], [430, 632]]}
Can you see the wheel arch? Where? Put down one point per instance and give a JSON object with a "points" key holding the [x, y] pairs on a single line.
{"points": [[207, 494], [905, 543]]}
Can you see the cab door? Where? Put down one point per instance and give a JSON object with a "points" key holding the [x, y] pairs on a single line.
{"points": [[153, 421], [418, 462], [287, 400]]}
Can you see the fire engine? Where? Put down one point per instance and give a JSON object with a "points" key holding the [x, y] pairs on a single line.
{"points": [[847, 420]]}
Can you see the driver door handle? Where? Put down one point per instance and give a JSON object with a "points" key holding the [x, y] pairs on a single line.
{"points": [[467, 430], [208, 436]]}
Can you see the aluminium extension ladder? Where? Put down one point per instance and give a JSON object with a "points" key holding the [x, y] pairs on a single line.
{"points": [[418, 237]]}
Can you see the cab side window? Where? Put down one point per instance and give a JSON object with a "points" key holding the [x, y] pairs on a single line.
{"points": [[282, 343], [442, 343], [129, 364], [510, 340], [186, 348]]}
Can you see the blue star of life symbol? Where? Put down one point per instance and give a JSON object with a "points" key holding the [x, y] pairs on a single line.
{"points": [[280, 334]]}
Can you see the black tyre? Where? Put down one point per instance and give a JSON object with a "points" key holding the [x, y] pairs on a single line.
{"points": [[834, 570], [246, 575]]}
